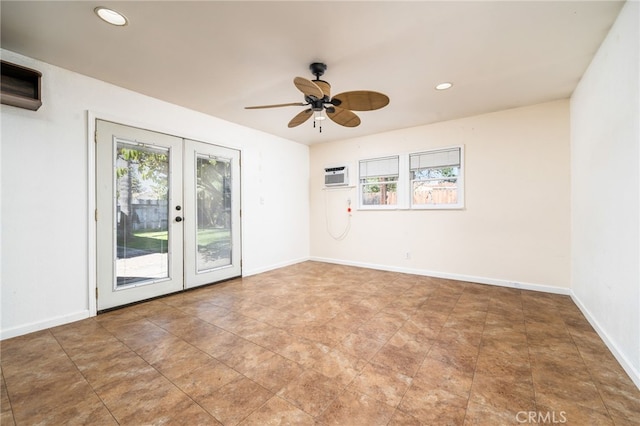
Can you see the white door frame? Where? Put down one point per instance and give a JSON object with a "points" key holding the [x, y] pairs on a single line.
{"points": [[92, 116]]}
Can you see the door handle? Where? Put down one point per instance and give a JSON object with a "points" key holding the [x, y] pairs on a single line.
{"points": [[178, 219]]}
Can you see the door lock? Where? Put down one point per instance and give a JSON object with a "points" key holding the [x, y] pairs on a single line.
{"points": [[178, 219]]}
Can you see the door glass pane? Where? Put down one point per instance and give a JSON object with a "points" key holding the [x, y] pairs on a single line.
{"points": [[142, 213], [213, 208]]}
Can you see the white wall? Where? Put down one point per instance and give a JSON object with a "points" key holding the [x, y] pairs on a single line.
{"points": [[46, 247], [514, 230], [605, 136]]}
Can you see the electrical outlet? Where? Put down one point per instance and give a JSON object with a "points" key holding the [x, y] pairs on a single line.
{"points": [[407, 255]]}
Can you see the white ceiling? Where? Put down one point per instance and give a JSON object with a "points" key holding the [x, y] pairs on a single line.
{"points": [[218, 57]]}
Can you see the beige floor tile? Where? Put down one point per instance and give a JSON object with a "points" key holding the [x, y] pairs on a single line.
{"points": [[58, 402], [214, 341], [563, 412], [246, 355], [278, 412], [462, 356], [325, 334], [315, 343], [360, 346], [433, 405], [275, 372], [206, 379], [303, 351], [436, 374], [156, 399], [355, 408], [502, 394], [235, 401], [112, 364], [378, 328], [338, 365], [487, 415], [400, 418], [311, 392], [382, 383], [405, 359]]}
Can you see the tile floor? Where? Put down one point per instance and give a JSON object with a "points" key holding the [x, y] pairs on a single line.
{"points": [[321, 344]]}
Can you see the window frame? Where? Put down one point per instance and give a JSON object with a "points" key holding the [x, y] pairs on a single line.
{"points": [[397, 182], [404, 183], [459, 181]]}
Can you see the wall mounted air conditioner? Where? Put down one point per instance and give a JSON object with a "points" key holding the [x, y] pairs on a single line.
{"points": [[336, 176]]}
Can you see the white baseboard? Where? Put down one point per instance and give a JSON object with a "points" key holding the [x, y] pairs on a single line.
{"points": [[632, 372], [255, 271], [42, 325], [458, 277]]}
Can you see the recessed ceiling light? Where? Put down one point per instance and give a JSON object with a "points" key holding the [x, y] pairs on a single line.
{"points": [[444, 86], [111, 16]]}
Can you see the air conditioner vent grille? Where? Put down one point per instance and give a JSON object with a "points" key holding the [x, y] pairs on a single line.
{"points": [[336, 176]]}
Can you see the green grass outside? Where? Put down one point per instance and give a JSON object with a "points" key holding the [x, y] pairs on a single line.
{"points": [[209, 236], [156, 241]]}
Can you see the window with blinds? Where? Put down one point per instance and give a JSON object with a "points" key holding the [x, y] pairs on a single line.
{"points": [[430, 179], [436, 178], [379, 182]]}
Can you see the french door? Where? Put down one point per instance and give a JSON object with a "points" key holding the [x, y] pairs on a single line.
{"points": [[168, 214]]}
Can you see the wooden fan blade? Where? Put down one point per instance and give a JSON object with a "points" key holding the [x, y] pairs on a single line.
{"points": [[324, 86], [361, 100], [276, 105], [308, 87], [300, 118], [344, 117]]}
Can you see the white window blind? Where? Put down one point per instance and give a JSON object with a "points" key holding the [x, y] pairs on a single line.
{"points": [[379, 167], [440, 158]]}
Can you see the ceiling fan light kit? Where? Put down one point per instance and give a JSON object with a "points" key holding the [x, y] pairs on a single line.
{"points": [[317, 97]]}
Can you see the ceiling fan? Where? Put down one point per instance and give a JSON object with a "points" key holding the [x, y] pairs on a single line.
{"points": [[317, 96]]}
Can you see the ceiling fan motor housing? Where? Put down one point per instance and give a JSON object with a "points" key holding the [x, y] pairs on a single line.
{"points": [[318, 68], [316, 104]]}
